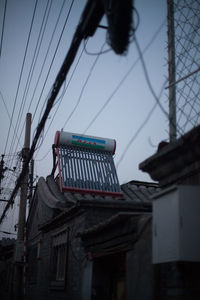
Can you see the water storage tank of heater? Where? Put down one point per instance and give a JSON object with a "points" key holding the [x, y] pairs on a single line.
{"points": [[63, 138], [85, 164]]}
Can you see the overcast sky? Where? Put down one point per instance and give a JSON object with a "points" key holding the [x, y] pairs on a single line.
{"points": [[97, 80]]}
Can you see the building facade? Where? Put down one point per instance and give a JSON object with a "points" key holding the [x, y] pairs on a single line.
{"points": [[85, 246]]}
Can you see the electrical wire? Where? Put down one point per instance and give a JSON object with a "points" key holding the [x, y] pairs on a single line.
{"points": [[60, 101], [84, 86], [43, 157], [81, 93], [22, 68], [107, 39], [64, 26], [54, 56], [16, 161], [6, 108], [124, 78], [52, 36], [43, 65], [66, 65], [12, 154], [148, 79], [149, 82], [33, 64], [93, 53], [2, 32], [39, 138], [144, 123], [138, 20]]}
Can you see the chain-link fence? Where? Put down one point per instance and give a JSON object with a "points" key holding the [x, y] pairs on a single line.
{"points": [[187, 63]]}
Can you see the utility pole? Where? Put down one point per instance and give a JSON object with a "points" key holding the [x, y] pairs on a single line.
{"points": [[31, 172], [2, 168], [89, 21], [19, 251], [171, 71]]}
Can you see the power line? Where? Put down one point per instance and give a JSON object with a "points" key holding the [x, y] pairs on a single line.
{"points": [[84, 86], [54, 92], [144, 123], [124, 78], [6, 108], [6, 232], [54, 54], [11, 154], [53, 61], [81, 93], [2, 33], [148, 80], [43, 157], [33, 63], [39, 74], [147, 77], [4, 103], [22, 68], [60, 101], [27, 44], [80, 33], [64, 90], [44, 64], [95, 53]]}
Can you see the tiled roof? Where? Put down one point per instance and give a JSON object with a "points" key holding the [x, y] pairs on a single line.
{"points": [[135, 192], [136, 197], [121, 216], [139, 191]]}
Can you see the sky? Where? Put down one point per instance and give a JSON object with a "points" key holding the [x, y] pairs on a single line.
{"points": [[105, 94]]}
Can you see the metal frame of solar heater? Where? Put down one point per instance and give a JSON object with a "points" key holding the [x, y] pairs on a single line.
{"points": [[87, 170]]}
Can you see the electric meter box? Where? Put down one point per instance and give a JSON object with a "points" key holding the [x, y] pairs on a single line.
{"points": [[176, 223]]}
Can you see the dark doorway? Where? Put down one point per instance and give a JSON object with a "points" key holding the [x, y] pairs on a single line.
{"points": [[109, 277]]}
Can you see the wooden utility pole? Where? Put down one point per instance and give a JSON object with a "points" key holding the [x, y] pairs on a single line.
{"points": [[19, 251], [171, 71], [30, 195], [2, 168]]}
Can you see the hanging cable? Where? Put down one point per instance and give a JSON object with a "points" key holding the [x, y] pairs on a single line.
{"points": [[93, 53], [6, 108], [55, 27], [60, 101], [53, 57], [84, 86], [27, 44], [144, 123], [22, 68], [149, 82], [60, 78], [2, 33], [33, 63], [124, 78]]}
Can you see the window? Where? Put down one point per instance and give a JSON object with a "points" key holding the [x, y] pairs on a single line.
{"points": [[32, 263], [60, 262], [59, 259]]}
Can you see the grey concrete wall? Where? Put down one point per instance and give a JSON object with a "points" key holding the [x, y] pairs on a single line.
{"points": [[139, 269]]}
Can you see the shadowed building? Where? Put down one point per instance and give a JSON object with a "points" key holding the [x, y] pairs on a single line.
{"points": [[87, 236]]}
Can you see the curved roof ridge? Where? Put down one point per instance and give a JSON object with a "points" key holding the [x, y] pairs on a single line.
{"points": [[46, 195]]}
